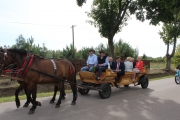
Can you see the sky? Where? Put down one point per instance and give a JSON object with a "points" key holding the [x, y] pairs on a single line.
{"points": [[50, 21]]}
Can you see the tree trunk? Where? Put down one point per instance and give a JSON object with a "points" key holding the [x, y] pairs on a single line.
{"points": [[111, 47], [168, 62], [168, 57]]}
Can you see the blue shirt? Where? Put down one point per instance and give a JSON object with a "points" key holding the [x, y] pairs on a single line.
{"points": [[92, 59]]}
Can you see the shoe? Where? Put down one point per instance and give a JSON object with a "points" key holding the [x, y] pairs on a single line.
{"points": [[97, 78], [116, 85]]}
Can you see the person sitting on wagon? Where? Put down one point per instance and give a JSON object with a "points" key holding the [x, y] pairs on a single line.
{"points": [[134, 63], [138, 68], [102, 64], [128, 65], [119, 68], [111, 62], [91, 61]]}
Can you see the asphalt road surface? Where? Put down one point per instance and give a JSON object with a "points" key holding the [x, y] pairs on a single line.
{"points": [[160, 101]]}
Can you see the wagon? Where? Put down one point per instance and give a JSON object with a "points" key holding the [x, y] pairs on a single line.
{"points": [[88, 81]]}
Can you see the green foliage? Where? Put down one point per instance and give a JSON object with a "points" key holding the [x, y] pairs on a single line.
{"points": [[84, 53], [124, 49], [104, 14], [156, 11], [144, 57], [80, 2], [176, 57]]}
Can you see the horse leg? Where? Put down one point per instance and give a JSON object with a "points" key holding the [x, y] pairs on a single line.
{"points": [[32, 89], [29, 99], [74, 90], [18, 104], [64, 94], [54, 96], [61, 88]]}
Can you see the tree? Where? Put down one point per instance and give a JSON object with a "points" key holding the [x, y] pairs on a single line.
{"points": [[124, 49], [144, 57], [166, 11], [80, 2], [176, 57], [169, 34], [109, 16]]}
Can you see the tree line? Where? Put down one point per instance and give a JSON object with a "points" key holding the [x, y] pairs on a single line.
{"points": [[121, 48]]}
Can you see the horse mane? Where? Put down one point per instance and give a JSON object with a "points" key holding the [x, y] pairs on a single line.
{"points": [[20, 51]]}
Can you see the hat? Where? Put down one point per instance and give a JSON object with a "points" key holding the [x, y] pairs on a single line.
{"points": [[91, 50], [102, 51]]}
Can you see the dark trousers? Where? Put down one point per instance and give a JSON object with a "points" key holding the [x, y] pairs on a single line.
{"points": [[100, 70], [119, 74]]}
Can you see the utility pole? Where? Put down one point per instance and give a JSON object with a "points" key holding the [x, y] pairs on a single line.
{"points": [[73, 38]]}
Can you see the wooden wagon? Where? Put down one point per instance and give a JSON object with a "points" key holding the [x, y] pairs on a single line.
{"points": [[107, 80]]}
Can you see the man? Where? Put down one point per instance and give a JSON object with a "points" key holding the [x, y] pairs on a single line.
{"points": [[119, 68], [134, 63], [91, 61], [102, 63], [111, 62]]}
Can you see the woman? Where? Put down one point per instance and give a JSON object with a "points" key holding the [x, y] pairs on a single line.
{"points": [[128, 65], [138, 67]]}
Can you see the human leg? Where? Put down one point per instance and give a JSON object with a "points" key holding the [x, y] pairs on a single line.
{"points": [[85, 68]]}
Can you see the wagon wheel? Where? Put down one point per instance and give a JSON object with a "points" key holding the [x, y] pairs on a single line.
{"points": [[177, 79], [144, 82], [106, 91], [126, 85], [83, 91]]}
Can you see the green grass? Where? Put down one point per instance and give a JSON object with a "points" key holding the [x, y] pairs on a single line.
{"points": [[23, 97], [160, 78], [157, 65], [160, 65]]}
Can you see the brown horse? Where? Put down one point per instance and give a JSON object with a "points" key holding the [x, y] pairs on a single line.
{"points": [[24, 86], [37, 70]]}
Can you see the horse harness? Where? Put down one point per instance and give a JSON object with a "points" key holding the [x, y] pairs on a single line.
{"points": [[55, 67]]}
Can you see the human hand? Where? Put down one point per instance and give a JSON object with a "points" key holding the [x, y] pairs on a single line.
{"points": [[99, 65]]}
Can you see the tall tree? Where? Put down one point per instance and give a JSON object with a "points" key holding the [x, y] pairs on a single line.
{"points": [[166, 11], [109, 16], [167, 35]]}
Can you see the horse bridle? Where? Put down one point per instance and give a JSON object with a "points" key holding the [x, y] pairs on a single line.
{"points": [[4, 59]]}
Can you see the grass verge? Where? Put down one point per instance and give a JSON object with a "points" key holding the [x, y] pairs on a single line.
{"points": [[23, 97], [160, 78]]}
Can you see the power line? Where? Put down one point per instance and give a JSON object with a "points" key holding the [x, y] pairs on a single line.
{"points": [[31, 23]]}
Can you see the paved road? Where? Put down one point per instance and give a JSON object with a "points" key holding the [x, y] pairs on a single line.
{"points": [[161, 101]]}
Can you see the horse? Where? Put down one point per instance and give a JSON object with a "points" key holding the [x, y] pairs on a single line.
{"points": [[23, 86], [37, 70]]}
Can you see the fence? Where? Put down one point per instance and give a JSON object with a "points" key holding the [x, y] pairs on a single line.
{"points": [[80, 63]]}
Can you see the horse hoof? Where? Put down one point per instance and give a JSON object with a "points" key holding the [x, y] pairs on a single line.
{"points": [[51, 101], [18, 106], [73, 103], [39, 103], [31, 112], [57, 106], [26, 105]]}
